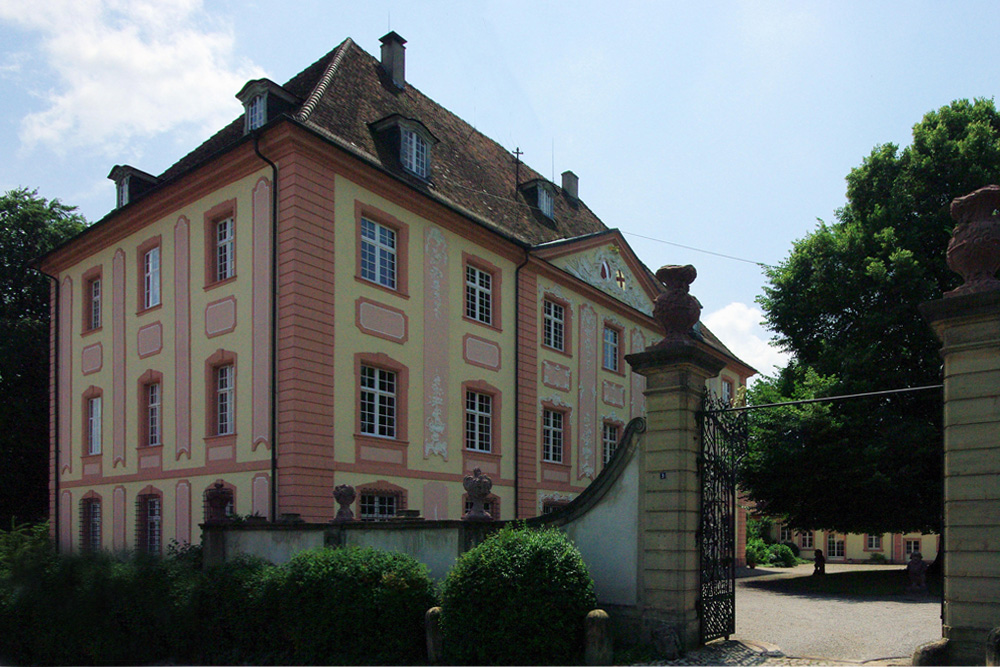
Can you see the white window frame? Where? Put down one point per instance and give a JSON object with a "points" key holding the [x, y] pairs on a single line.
{"points": [[546, 202], [374, 506], [92, 517], [554, 325], [95, 303], [874, 543], [478, 421], [152, 522], [379, 246], [225, 405], [257, 111], [94, 418], [553, 435], [807, 540], [784, 534], [121, 191], [834, 548], [225, 245], [611, 348], [151, 277], [478, 294], [610, 435], [908, 546], [154, 397], [414, 152], [379, 402]]}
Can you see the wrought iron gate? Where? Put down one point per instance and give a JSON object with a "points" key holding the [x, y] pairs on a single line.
{"points": [[724, 441]]}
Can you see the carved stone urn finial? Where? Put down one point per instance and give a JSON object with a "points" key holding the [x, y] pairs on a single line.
{"points": [[478, 487], [974, 249], [217, 498], [344, 495], [676, 310]]}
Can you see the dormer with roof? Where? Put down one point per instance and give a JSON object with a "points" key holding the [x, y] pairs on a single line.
{"points": [[442, 307]]}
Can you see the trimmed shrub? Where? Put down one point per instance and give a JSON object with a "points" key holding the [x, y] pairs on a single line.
{"points": [[878, 559], [794, 547], [355, 606], [519, 598], [781, 555]]}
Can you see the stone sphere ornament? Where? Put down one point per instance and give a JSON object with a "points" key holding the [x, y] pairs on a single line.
{"points": [[676, 309], [974, 249], [344, 495], [478, 486]]}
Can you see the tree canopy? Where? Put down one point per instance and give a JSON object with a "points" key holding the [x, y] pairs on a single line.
{"points": [[845, 304], [29, 227]]}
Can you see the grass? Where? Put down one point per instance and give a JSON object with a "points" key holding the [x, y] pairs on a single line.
{"points": [[890, 582]]}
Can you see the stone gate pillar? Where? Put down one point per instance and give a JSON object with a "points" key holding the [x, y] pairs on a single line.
{"points": [[967, 321], [669, 482]]}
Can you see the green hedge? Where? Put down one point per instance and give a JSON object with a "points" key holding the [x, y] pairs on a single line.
{"points": [[519, 598], [326, 606]]}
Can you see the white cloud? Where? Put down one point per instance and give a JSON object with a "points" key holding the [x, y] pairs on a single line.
{"points": [[738, 326], [128, 70]]}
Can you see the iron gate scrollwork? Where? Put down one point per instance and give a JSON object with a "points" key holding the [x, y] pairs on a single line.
{"points": [[724, 437]]}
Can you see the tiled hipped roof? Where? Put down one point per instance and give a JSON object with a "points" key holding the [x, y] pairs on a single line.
{"points": [[347, 90]]}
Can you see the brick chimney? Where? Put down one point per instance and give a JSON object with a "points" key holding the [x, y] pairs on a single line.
{"points": [[394, 58], [571, 184]]}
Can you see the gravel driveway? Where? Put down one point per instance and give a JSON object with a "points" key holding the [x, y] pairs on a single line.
{"points": [[823, 626]]}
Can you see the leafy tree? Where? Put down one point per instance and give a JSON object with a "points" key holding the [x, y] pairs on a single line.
{"points": [[845, 304], [29, 227]]}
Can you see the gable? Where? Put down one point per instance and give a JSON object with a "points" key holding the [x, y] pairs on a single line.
{"points": [[609, 266]]}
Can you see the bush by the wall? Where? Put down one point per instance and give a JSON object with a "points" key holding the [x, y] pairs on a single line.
{"points": [[794, 547], [355, 606], [781, 555], [519, 598], [756, 552], [878, 559]]}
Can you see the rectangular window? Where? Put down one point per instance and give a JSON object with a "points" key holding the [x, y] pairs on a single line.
{"points": [[225, 407], [806, 540], [785, 534], [487, 507], [553, 327], [834, 547], [256, 112], [94, 426], [611, 349], [90, 522], [545, 202], [151, 277], [378, 402], [548, 507], [378, 253], [414, 153], [478, 295], [609, 438], [225, 235], [122, 191], [912, 546], [376, 506], [478, 421], [94, 296], [552, 436], [149, 525], [727, 391], [153, 414], [875, 542]]}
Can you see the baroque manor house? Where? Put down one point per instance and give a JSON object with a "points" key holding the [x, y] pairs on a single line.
{"points": [[346, 285]]}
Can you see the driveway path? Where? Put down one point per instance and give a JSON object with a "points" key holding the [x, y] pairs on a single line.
{"points": [[837, 628]]}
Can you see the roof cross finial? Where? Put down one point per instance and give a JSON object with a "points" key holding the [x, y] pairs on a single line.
{"points": [[517, 168]]}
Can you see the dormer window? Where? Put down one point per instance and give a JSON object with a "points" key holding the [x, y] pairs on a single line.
{"points": [[545, 202], [256, 112], [414, 153], [130, 184], [263, 100], [122, 190], [407, 138]]}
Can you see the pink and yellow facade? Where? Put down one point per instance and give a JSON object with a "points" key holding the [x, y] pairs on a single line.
{"points": [[293, 307]]}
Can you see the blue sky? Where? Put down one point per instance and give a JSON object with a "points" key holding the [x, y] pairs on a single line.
{"points": [[722, 126]]}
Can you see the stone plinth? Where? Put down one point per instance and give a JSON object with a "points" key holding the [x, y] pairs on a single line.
{"points": [[969, 329], [670, 489]]}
